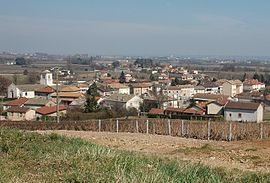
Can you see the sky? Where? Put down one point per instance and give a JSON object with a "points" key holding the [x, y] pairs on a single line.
{"points": [[136, 27]]}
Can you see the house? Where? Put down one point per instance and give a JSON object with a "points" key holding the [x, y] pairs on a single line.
{"points": [[161, 101], [216, 107], [80, 103], [199, 89], [243, 111], [17, 113], [123, 100], [83, 87], [140, 88], [220, 83], [15, 103], [105, 90], [210, 87], [67, 94], [254, 96], [204, 97], [253, 84], [180, 92], [183, 111], [28, 91], [163, 76], [44, 92], [38, 102], [187, 77], [128, 77], [156, 111], [120, 88], [232, 87], [67, 97], [50, 111]]}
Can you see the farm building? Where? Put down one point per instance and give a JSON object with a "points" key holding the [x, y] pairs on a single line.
{"points": [[243, 111]]}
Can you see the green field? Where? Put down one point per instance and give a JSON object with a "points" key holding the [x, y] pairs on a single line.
{"points": [[31, 157]]}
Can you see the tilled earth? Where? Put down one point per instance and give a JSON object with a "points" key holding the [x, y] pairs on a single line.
{"points": [[242, 155]]}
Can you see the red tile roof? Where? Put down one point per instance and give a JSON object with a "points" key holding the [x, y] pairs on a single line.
{"points": [[220, 99], [179, 87], [17, 102], [156, 111], [185, 110], [18, 109], [172, 109], [242, 105], [50, 109], [252, 82], [193, 111], [45, 90]]}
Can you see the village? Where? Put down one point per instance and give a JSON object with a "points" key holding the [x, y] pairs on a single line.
{"points": [[116, 91]]}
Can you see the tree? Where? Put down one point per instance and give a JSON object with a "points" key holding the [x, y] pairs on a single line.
{"points": [[122, 78], [33, 77], [116, 64], [21, 61], [92, 90], [25, 72], [244, 77], [147, 105], [144, 63], [4, 83], [256, 76], [175, 82], [15, 79], [214, 80], [262, 78], [91, 104], [153, 77]]}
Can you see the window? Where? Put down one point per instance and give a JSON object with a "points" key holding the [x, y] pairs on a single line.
{"points": [[230, 114], [239, 115], [25, 93]]}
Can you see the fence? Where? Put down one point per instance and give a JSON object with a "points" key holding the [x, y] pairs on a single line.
{"points": [[181, 128]]}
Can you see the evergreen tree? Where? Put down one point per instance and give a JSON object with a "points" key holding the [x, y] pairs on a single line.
{"points": [[256, 76], [92, 90], [214, 80], [244, 77], [153, 77], [122, 78], [91, 105], [262, 78]]}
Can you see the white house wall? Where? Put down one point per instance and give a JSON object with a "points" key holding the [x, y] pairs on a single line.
{"points": [[246, 115], [214, 109]]}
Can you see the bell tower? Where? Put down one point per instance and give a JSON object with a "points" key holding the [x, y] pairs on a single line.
{"points": [[46, 78]]}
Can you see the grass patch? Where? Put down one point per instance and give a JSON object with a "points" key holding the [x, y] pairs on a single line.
{"points": [[31, 157]]}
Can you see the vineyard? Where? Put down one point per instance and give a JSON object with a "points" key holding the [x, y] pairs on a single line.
{"points": [[188, 129]]}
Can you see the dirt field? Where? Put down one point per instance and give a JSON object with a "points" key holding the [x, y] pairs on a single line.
{"points": [[242, 155]]}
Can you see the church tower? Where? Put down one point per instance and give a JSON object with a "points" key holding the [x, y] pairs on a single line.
{"points": [[46, 78]]}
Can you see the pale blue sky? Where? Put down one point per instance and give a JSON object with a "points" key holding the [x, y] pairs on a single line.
{"points": [[136, 27]]}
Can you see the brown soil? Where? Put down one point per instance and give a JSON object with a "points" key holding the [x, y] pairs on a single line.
{"points": [[242, 155]]}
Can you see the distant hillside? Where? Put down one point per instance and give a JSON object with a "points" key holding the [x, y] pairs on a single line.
{"points": [[31, 157]]}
